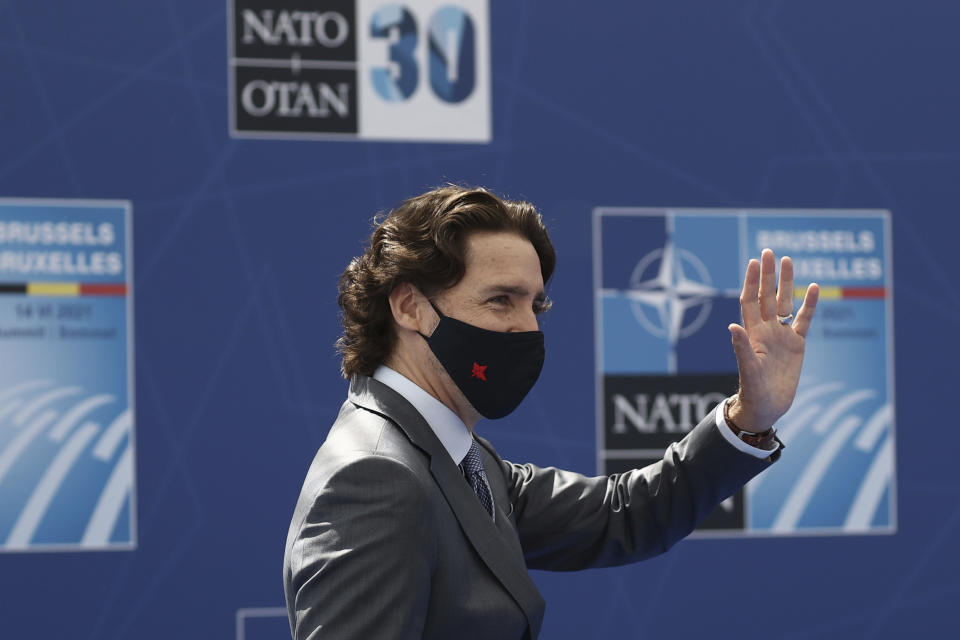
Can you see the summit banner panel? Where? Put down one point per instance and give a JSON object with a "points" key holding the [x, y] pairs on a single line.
{"points": [[666, 286], [66, 398]]}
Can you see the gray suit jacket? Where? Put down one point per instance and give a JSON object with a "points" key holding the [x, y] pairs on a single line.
{"points": [[389, 541]]}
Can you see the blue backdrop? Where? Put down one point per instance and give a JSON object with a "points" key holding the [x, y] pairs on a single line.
{"points": [[238, 244]]}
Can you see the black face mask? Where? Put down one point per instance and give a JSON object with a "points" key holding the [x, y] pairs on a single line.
{"points": [[493, 369]]}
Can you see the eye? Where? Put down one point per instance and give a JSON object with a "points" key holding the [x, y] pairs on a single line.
{"points": [[542, 306], [501, 300]]}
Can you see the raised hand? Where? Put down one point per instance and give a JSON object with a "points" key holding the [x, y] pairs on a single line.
{"points": [[770, 344]]}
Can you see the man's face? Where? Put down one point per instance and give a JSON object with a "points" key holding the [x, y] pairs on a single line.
{"points": [[502, 288]]}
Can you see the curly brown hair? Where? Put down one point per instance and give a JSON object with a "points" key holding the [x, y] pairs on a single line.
{"points": [[422, 242]]}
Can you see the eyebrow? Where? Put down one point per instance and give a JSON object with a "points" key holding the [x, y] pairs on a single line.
{"points": [[515, 290]]}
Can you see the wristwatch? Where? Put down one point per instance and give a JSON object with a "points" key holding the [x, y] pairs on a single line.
{"points": [[766, 440]]}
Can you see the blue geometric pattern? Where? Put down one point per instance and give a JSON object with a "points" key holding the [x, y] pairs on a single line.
{"points": [[239, 243]]}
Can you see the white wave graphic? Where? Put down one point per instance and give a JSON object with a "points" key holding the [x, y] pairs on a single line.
{"points": [[792, 424], [38, 403], [110, 504], [871, 491], [110, 440], [876, 427], [803, 490], [32, 408], [9, 403], [838, 430], [48, 486], [6, 394], [15, 448], [832, 415], [76, 414]]}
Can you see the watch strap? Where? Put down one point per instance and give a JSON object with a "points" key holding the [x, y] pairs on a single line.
{"points": [[766, 440]]}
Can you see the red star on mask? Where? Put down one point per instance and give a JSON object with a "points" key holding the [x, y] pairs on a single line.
{"points": [[479, 371]]}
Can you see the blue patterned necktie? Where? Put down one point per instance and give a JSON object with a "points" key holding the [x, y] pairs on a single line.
{"points": [[472, 468]]}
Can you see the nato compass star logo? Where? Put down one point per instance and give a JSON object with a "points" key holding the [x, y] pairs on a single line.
{"points": [[671, 293]]}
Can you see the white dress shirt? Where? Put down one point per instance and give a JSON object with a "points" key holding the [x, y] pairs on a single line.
{"points": [[449, 428], [727, 433]]}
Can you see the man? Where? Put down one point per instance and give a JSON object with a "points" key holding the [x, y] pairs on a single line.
{"points": [[409, 525]]}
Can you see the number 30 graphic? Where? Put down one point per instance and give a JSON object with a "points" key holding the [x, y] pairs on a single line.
{"points": [[452, 53]]}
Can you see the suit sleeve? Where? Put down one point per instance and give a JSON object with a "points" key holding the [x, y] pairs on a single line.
{"points": [[362, 559], [567, 521]]}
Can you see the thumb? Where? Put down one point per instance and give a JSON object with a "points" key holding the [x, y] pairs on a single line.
{"points": [[741, 346]]}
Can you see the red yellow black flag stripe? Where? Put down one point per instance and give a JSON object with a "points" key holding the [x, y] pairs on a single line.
{"points": [[845, 293], [64, 289]]}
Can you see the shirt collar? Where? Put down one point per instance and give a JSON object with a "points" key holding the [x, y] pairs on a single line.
{"points": [[448, 427]]}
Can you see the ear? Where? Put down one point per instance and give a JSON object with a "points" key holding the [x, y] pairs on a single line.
{"points": [[409, 306]]}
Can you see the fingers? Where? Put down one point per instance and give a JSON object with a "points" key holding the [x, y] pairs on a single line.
{"points": [[768, 285], [785, 290], [802, 322], [749, 302]]}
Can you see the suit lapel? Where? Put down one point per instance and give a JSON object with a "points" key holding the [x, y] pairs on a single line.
{"points": [[492, 546], [503, 559], [501, 502]]}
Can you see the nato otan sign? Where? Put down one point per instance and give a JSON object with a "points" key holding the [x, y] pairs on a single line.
{"points": [[666, 286], [359, 69]]}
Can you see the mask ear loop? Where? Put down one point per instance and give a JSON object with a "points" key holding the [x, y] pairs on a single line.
{"points": [[439, 315]]}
